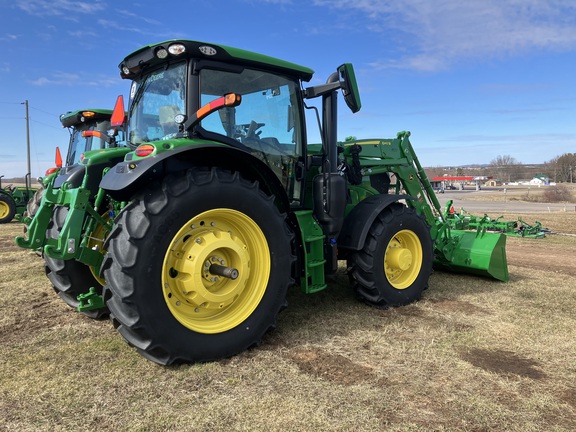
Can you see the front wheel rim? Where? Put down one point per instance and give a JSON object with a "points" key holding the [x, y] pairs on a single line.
{"points": [[4, 210], [403, 259], [201, 300]]}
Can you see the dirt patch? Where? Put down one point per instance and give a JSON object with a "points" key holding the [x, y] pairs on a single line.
{"points": [[569, 397], [541, 257], [39, 314], [332, 367], [447, 305], [412, 311], [503, 362], [9, 245]]}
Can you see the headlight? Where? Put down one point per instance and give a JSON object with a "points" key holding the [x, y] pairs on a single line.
{"points": [[176, 49], [161, 53]]}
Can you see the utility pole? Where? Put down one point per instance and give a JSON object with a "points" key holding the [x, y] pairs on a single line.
{"points": [[28, 174]]}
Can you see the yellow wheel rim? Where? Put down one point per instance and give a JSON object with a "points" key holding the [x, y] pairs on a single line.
{"points": [[4, 210], [96, 242], [403, 259], [204, 301]]}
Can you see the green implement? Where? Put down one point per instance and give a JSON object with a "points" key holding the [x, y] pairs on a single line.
{"points": [[517, 228]]}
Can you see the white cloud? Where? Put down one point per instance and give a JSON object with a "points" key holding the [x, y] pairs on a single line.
{"points": [[82, 34], [138, 17], [59, 7], [115, 25], [71, 80], [443, 31], [9, 37]]}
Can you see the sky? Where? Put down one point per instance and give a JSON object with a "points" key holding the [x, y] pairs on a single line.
{"points": [[471, 80]]}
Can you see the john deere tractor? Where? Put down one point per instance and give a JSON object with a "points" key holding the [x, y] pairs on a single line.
{"points": [[69, 218], [227, 204], [13, 200], [222, 205], [88, 131]]}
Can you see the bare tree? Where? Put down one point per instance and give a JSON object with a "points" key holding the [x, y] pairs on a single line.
{"points": [[563, 167], [506, 168]]}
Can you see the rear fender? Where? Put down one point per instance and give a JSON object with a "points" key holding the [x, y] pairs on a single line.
{"points": [[124, 180], [73, 174], [360, 219]]}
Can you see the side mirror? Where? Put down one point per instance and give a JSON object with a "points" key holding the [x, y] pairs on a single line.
{"points": [[349, 87]]}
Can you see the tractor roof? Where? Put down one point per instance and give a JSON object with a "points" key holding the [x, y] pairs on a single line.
{"points": [[72, 118], [148, 56]]}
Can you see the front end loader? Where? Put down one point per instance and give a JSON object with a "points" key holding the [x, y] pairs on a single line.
{"points": [[370, 164]]}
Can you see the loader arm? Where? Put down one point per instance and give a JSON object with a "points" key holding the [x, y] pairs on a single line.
{"points": [[482, 253]]}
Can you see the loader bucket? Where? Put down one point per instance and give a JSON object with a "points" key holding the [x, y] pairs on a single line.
{"points": [[480, 253]]}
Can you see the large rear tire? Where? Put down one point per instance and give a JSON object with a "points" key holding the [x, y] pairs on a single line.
{"points": [[7, 208], [395, 264], [164, 296], [70, 278]]}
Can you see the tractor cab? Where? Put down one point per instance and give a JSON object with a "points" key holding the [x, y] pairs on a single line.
{"points": [[89, 130], [178, 103]]}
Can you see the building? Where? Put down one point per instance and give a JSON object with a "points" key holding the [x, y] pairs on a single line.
{"points": [[540, 180], [458, 182]]}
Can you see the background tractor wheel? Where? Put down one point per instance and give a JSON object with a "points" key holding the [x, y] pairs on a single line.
{"points": [[395, 264], [31, 209], [34, 203], [70, 278], [198, 268], [7, 208]]}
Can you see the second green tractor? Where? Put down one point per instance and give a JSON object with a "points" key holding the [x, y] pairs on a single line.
{"points": [[68, 217]]}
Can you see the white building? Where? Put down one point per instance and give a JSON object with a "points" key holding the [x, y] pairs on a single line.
{"points": [[540, 180]]}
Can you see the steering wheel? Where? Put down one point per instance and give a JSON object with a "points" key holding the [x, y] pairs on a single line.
{"points": [[256, 142], [251, 131]]}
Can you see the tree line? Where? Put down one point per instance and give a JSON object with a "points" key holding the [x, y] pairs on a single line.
{"points": [[505, 168], [560, 169]]}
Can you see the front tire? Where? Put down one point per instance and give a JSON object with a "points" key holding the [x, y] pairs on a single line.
{"points": [[34, 203], [395, 263], [7, 208], [164, 297], [70, 278], [32, 208]]}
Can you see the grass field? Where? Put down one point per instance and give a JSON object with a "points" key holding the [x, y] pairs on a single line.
{"points": [[472, 355]]}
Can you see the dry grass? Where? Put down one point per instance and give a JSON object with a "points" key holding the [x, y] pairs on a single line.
{"points": [[523, 193], [472, 355]]}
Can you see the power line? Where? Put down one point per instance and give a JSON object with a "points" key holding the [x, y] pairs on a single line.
{"points": [[45, 112], [44, 124]]}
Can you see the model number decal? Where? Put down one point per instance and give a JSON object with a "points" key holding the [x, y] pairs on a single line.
{"points": [[155, 77]]}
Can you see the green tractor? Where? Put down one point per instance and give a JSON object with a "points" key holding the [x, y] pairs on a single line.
{"points": [[221, 205], [14, 199], [95, 123], [225, 205], [70, 206]]}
